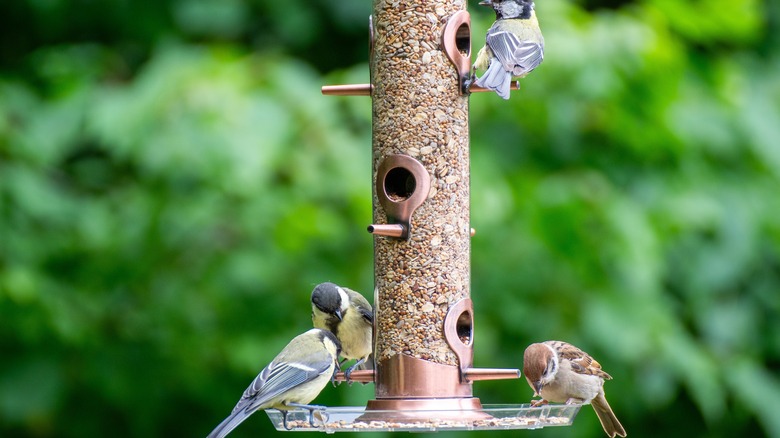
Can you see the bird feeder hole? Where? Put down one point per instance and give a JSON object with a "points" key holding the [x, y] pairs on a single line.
{"points": [[399, 184], [463, 328], [402, 185], [463, 39]]}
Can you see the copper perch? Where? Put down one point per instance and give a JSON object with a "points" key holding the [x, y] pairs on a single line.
{"points": [[515, 85], [360, 376], [366, 89], [388, 230], [472, 374], [347, 90]]}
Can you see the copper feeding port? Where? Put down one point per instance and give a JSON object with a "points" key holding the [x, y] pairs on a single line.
{"points": [[456, 41], [402, 185], [459, 333]]}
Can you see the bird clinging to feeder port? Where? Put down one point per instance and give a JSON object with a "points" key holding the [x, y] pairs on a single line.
{"points": [[514, 45], [349, 316]]}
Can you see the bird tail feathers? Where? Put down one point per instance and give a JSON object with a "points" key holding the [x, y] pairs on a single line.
{"points": [[230, 423], [496, 79], [607, 418]]}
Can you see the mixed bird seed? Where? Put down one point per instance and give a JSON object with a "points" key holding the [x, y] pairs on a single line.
{"points": [[418, 111], [493, 423]]}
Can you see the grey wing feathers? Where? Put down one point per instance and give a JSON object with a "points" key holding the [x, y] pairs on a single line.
{"points": [[496, 79], [362, 304], [518, 57], [368, 315], [275, 379], [228, 424]]}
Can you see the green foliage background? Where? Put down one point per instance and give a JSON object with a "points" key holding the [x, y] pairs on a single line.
{"points": [[173, 184]]}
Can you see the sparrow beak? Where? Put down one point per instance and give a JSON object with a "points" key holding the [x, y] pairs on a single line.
{"points": [[538, 388], [338, 315]]}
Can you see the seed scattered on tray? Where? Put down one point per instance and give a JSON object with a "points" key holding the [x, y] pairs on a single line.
{"points": [[507, 422]]}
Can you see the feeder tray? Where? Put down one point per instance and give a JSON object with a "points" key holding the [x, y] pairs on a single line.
{"points": [[490, 417]]}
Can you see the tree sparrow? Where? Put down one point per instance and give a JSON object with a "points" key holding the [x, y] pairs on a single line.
{"points": [[562, 373]]}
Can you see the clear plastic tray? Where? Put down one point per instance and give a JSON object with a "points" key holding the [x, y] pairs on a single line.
{"points": [[499, 417]]}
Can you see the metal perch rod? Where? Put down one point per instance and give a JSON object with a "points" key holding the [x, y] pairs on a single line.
{"points": [[366, 89], [471, 374]]}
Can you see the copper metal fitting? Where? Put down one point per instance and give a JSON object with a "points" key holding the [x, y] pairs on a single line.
{"points": [[467, 408], [347, 90], [366, 89], [514, 85], [359, 376], [402, 185], [456, 41], [387, 230], [459, 333], [474, 374]]}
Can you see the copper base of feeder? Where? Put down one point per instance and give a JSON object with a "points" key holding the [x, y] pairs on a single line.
{"points": [[405, 377], [411, 389], [468, 409]]}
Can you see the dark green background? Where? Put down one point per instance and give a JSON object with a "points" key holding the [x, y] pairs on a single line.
{"points": [[173, 185]]}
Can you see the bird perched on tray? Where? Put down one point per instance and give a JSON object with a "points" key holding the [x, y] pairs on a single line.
{"points": [[349, 316], [514, 45], [562, 373], [292, 380]]}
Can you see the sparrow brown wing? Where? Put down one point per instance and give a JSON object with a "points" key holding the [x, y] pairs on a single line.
{"points": [[581, 362]]}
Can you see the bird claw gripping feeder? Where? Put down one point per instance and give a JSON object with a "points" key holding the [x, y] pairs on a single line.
{"points": [[424, 319]]}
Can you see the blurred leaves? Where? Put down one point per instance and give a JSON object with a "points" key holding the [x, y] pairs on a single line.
{"points": [[173, 184]]}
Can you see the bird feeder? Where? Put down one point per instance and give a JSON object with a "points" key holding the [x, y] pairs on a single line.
{"points": [[420, 61]]}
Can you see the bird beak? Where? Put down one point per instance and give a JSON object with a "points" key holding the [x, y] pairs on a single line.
{"points": [[338, 315], [538, 388], [486, 3]]}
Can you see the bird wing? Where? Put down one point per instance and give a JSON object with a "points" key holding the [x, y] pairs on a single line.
{"points": [[275, 379], [516, 55], [362, 304], [280, 376], [367, 314], [581, 362]]}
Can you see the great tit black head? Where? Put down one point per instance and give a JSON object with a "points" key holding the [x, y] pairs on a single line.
{"points": [[349, 316], [510, 8], [327, 298]]}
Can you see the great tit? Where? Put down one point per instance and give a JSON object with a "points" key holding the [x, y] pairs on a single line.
{"points": [[349, 316], [292, 380], [514, 45]]}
